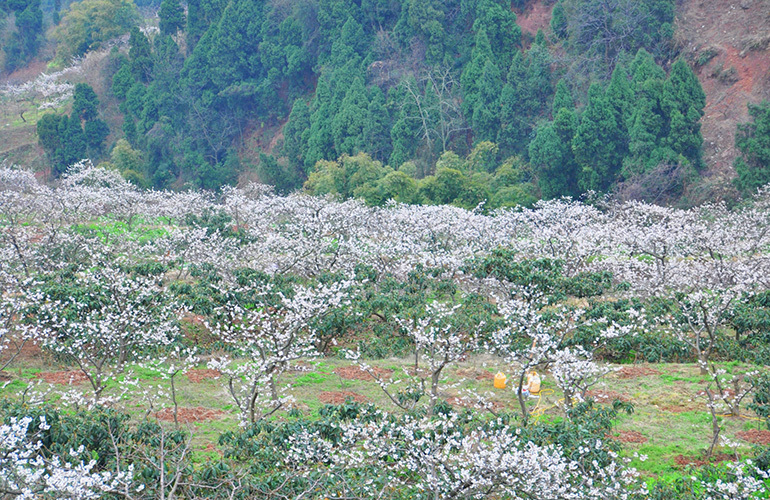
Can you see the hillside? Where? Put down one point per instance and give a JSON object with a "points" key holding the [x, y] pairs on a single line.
{"points": [[457, 102], [730, 42]]}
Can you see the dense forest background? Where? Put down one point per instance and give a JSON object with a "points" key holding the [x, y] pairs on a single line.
{"points": [[421, 101]]}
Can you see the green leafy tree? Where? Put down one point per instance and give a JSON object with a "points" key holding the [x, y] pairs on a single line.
{"points": [[753, 141], [551, 155], [515, 118], [645, 134], [140, 55], [562, 98], [95, 132], [122, 80], [644, 68], [89, 23], [376, 131], [684, 101], [349, 123], [620, 96], [74, 145], [471, 76], [486, 113], [320, 141], [125, 158], [405, 132], [86, 102], [295, 134], [24, 43], [49, 137], [171, 16], [538, 88], [597, 142], [349, 44], [499, 23], [559, 21], [424, 20]]}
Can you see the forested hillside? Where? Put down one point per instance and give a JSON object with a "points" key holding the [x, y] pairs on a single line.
{"points": [[419, 101]]}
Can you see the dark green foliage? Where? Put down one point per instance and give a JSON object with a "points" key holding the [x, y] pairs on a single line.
{"points": [[544, 275], [96, 131], [761, 401], [405, 82], [599, 33], [471, 76], [171, 16], [273, 173], [551, 155], [140, 55], [73, 141], [486, 113], [684, 100], [753, 141], [598, 143], [295, 135], [559, 21], [499, 24], [587, 423], [23, 44], [86, 103], [122, 81], [67, 140], [562, 98]]}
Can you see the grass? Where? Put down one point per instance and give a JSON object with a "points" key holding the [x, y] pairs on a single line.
{"points": [[668, 410]]}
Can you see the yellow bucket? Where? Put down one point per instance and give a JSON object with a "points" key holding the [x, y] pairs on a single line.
{"points": [[499, 381]]}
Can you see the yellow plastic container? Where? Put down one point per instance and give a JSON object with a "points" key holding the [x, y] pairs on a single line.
{"points": [[533, 382], [499, 381]]}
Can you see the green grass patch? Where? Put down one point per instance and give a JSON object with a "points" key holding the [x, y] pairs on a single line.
{"points": [[673, 379], [309, 378]]}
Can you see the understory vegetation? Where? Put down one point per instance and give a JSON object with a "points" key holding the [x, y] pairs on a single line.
{"points": [[160, 344]]}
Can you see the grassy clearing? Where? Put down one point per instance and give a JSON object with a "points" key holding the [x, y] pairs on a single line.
{"points": [[669, 412]]}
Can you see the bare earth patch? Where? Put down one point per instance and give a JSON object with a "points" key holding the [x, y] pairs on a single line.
{"points": [[197, 376], [339, 397], [71, 377], [476, 374], [535, 16], [734, 33], [629, 437], [189, 415], [682, 461], [635, 371], [356, 373], [754, 436], [607, 396], [681, 408]]}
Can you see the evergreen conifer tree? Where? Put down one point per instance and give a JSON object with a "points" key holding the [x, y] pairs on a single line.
{"points": [[597, 142], [171, 16]]}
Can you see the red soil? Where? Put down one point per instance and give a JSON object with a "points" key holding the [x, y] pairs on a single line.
{"points": [[189, 415], [535, 16], [197, 376], [629, 437], [71, 377], [476, 374], [339, 397], [683, 461], [607, 396], [356, 373], [635, 371], [754, 436]]}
